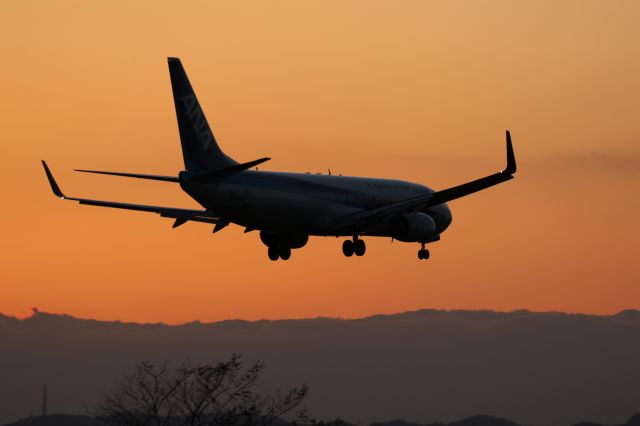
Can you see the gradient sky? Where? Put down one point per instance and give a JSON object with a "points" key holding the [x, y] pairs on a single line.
{"points": [[414, 90]]}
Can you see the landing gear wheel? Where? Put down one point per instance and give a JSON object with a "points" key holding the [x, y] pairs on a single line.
{"points": [[273, 253], [423, 254], [359, 247], [285, 253], [348, 248]]}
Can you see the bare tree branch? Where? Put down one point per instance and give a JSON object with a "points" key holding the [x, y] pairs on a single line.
{"points": [[200, 395]]}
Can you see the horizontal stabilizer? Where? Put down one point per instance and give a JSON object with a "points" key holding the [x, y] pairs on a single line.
{"points": [[227, 171], [132, 175]]}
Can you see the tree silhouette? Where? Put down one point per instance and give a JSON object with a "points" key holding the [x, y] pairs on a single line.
{"points": [[199, 395]]}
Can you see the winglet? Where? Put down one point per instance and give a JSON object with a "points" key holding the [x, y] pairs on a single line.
{"points": [[54, 186], [511, 158]]}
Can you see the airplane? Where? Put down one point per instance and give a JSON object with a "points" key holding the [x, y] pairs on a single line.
{"points": [[288, 208]]}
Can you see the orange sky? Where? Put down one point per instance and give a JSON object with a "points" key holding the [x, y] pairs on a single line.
{"points": [[415, 90]]}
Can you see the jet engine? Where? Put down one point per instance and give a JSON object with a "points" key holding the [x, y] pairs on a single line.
{"points": [[292, 241], [413, 227]]}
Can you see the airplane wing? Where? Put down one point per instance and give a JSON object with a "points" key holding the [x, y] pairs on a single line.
{"points": [[180, 215], [415, 204]]}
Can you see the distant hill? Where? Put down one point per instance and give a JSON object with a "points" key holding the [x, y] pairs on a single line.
{"points": [[57, 420], [483, 421], [78, 420], [404, 423], [479, 420], [633, 420], [534, 368], [587, 424]]}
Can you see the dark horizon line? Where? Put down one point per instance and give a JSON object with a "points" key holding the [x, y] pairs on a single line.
{"points": [[38, 313]]}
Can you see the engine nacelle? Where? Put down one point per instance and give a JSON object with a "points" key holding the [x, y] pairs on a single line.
{"points": [[413, 227], [292, 241]]}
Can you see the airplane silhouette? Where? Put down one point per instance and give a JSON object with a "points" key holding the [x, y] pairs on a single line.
{"points": [[287, 208]]}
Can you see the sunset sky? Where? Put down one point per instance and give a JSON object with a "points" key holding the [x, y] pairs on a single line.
{"points": [[414, 90]]}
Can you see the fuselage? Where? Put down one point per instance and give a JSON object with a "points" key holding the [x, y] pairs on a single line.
{"points": [[304, 202]]}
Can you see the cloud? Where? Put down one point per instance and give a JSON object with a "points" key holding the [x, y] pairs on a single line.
{"points": [[594, 162], [605, 160]]}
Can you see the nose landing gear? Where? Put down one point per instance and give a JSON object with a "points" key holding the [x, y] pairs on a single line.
{"points": [[423, 253], [355, 246]]}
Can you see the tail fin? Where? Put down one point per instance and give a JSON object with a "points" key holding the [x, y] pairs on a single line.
{"points": [[199, 147]]}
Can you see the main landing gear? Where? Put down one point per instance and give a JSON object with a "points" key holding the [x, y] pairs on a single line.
{"points": [[423, 253], [355, 246], [276, 253]]}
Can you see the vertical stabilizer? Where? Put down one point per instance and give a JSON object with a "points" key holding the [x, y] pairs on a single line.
{"points": [[199, 147]]}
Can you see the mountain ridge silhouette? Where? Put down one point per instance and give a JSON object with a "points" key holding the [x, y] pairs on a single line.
{"points": [[625, 314]]}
